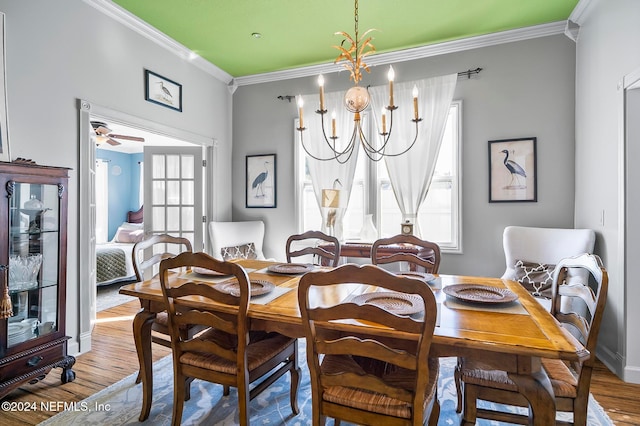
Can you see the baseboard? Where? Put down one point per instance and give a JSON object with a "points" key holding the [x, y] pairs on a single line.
{"points": [[632, 374], [612, 360]]}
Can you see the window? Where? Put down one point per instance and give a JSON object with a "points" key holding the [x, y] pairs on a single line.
{"points": [[439, 216]]}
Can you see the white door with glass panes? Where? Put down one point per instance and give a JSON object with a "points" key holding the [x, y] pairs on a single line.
{"points": [[173, 196]]}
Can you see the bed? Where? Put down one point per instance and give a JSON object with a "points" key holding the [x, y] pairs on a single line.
{"points": [[114, 262]]}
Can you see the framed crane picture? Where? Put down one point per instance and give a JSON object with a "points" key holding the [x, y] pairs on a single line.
{"points": [[162, 91], [512, 170], [261, 181]]}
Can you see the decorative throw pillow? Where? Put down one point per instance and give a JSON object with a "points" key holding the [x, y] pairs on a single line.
{"points": [[124, 235], [244, 251], [537, 278]]}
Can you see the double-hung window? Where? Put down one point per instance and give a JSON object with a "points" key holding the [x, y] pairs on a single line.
{"points": [[439, 216]]}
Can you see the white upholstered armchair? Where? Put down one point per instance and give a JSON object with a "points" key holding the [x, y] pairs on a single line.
{"points": [[236, 237], [532, 253]]}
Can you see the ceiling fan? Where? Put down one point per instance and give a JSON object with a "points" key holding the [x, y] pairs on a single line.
{"points": [[103, 134]]}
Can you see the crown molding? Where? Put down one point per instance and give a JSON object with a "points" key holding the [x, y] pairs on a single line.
{"points": [[580, 11], [414, 53], [119, 14], [134, 23]]}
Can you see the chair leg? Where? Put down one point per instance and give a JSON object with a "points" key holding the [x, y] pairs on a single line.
{"points": [[178, 399], [469, 401], [225, 390], [243, 402], [435, 413], [295, 380], [457, 375], [187, 388], [138, 378]]}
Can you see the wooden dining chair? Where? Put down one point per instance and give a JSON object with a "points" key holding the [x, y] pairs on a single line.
{"points": [[147, 255], [570, 382], [360, 378], [226, 352], [427, 258], [330, 249]]}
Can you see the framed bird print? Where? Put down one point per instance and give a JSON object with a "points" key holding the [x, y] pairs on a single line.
{"points": [[162, 91], [261, 181], [512, 170]]}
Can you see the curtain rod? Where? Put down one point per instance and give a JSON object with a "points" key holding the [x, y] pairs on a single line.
{"points": [[468, 73]]}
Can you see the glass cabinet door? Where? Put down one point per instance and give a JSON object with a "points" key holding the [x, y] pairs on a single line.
{"points": [[33, 261]]}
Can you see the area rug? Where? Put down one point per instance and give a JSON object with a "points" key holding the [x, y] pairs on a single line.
{"points": [[120, 403], [108, 296]]}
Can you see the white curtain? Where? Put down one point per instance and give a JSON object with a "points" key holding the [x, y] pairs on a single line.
{"points": [[329, 177], [410, 174]]}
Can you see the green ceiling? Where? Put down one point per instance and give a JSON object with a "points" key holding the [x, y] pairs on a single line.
{"points": [[298, 33]]}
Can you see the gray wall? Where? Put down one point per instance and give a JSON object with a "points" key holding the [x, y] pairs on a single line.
{"points": [[525, 89], [58, 52], [606, 52]]}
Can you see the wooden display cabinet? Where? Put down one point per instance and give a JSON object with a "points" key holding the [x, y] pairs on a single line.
{"points": [[33, 259]]}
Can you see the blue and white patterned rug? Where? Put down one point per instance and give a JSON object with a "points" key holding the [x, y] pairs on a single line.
{"points": [[120, 403]]}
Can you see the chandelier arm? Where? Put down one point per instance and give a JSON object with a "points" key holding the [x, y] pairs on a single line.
{"points": [[415, 139], [338, 156], [332, 144]]}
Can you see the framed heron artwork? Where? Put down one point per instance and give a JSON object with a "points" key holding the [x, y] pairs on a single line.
{"points": [[162, 91], [512, 170], [261, 181]]}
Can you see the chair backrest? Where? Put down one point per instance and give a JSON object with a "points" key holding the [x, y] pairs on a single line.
{"points": [[323, 316], [584, 322], [156, 248], [226, 235], [331, 253], [179, 315], [543, 245], [427, 257]]}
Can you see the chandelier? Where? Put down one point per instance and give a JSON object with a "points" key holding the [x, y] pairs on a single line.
{"points": [[356, 100]]}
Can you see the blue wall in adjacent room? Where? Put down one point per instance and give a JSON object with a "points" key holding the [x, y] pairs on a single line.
{"points": [[123, 188]]}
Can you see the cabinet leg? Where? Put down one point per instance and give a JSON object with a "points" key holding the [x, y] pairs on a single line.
{"points": [[68, 375]]}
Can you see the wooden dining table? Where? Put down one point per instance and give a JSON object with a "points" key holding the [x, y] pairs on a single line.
{"points": [[512, 337]]}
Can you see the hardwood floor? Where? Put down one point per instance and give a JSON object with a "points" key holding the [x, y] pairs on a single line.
{"points": [[113, 357]]}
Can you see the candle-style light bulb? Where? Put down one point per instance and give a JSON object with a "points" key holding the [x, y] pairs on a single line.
{"points": [[391, 75], [384, 120], [333, 123], [321, 84], [415, 101], [300, 106]]}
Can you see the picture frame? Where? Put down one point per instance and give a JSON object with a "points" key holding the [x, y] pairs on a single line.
{"points": [[261, 181], [4, 121], [513, 170], [162, 91]]}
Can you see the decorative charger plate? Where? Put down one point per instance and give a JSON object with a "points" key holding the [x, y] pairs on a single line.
{"points": [[205, 271], [396, 303], [232, 287], [290, 268], [421, 275], [476, 293]]}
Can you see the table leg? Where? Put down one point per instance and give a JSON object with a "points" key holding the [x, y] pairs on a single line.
{"points": [[536, 387], [142, 335]]}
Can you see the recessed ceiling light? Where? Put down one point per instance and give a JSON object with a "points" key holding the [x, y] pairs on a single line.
{"points": [[256, 35]]}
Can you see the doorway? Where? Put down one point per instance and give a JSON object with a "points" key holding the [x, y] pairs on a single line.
{"points": [[87, 199]]}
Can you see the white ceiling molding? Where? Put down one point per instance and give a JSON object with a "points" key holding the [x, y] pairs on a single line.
{"points": [[572, 30], [414, 53], [119, 14], [580, 11], [116, 12]]}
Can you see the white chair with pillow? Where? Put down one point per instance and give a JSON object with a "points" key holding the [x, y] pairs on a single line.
{"points": [[532, 253], [233, 240]]}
